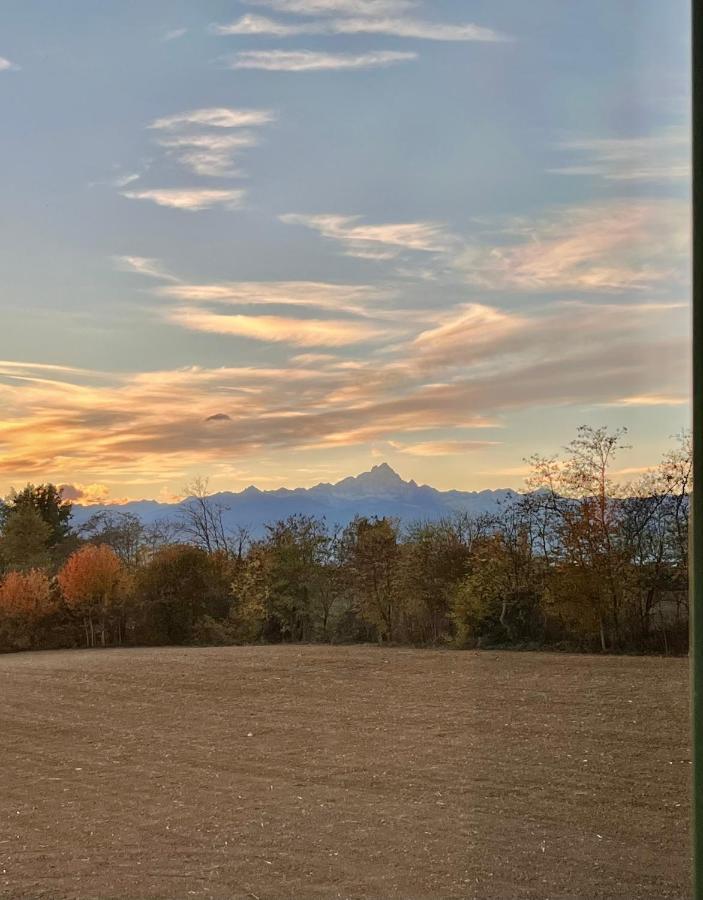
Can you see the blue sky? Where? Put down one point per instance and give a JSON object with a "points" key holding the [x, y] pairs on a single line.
{"points": [[441, 234]]}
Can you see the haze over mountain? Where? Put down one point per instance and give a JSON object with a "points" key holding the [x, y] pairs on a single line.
{"points": [[378, 492]]}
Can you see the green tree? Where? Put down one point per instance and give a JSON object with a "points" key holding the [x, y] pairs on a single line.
{"points": [[179, 586], [480, 602], [24, 540], [371, 557], [286, 584], [434, 557], [48, 501]]}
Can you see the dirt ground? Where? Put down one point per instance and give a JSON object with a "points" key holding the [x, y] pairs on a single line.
{"points": [[353, 772]]}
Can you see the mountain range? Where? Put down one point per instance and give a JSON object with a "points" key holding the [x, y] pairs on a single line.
{"points": [[378, 492]]}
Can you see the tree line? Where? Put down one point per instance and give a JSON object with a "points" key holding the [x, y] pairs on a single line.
{"points": [[577, 562]]}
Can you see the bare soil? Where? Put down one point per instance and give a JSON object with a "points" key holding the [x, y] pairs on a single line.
{"points": [[353, 772]]}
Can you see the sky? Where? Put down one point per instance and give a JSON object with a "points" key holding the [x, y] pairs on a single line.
{"points": [[279, 241]]}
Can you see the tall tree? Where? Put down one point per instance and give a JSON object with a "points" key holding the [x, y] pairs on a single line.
{"points": [[371, 560], [202, 518], [24, 540], [581, 503], [48, 501]]}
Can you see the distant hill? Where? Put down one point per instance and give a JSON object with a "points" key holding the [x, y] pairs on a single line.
{"points": [[379, 492]]}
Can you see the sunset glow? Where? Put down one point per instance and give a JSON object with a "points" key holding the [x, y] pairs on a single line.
{"points": [[274, 242]]}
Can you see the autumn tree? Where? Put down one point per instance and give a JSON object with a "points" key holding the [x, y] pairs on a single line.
{"points": [[25, 599], [26, 593], [251, 594], [655, 532], [581, 502], [287, 581], [370, 552], [94, 585]]}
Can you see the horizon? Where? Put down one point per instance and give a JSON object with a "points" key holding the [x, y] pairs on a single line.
{"points": [[232, 258], [384, 466], [82, 502]]}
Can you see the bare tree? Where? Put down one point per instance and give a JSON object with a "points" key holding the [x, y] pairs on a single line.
{"points": [[201, 518]]}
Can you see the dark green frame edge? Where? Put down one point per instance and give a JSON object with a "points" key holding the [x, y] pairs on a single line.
{"points": [[696, 560]]}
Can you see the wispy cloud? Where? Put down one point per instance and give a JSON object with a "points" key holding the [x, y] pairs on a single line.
{"points": [[396, 27], [375, 241], [216, 117], [143, 265], [192, 199], [360, 300], [277, 329], [441, 448], [656, 157], [6, 65], [348, 7], [616, 246], [208, 140], [124, 180], [467, 335], [311, 61], [58, 421], [210, 154], [653, 400], [174, 34]]}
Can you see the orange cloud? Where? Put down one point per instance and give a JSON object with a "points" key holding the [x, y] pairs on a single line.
{"points": [[301, 332], [473, 367]]}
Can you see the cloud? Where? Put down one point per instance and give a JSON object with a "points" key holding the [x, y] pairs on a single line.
{"points": [[658, 157], [396, 27], [375, 241], [310, 60], [216, 117], [143, 265], [174, 34], [470, 369], [7, 66], [208, 140], [442, 448], [85, 493], [124, 180], [261, 25], [616, 246], [192, 199], [225, 308], [344, 7], [277, 329], [210, 154], [361, 300], [473, 332], [483, 340], [219, 417], [653, 400]]}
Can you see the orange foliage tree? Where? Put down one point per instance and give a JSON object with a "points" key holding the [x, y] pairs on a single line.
{"points": [[26, 594], [93, 582]]}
